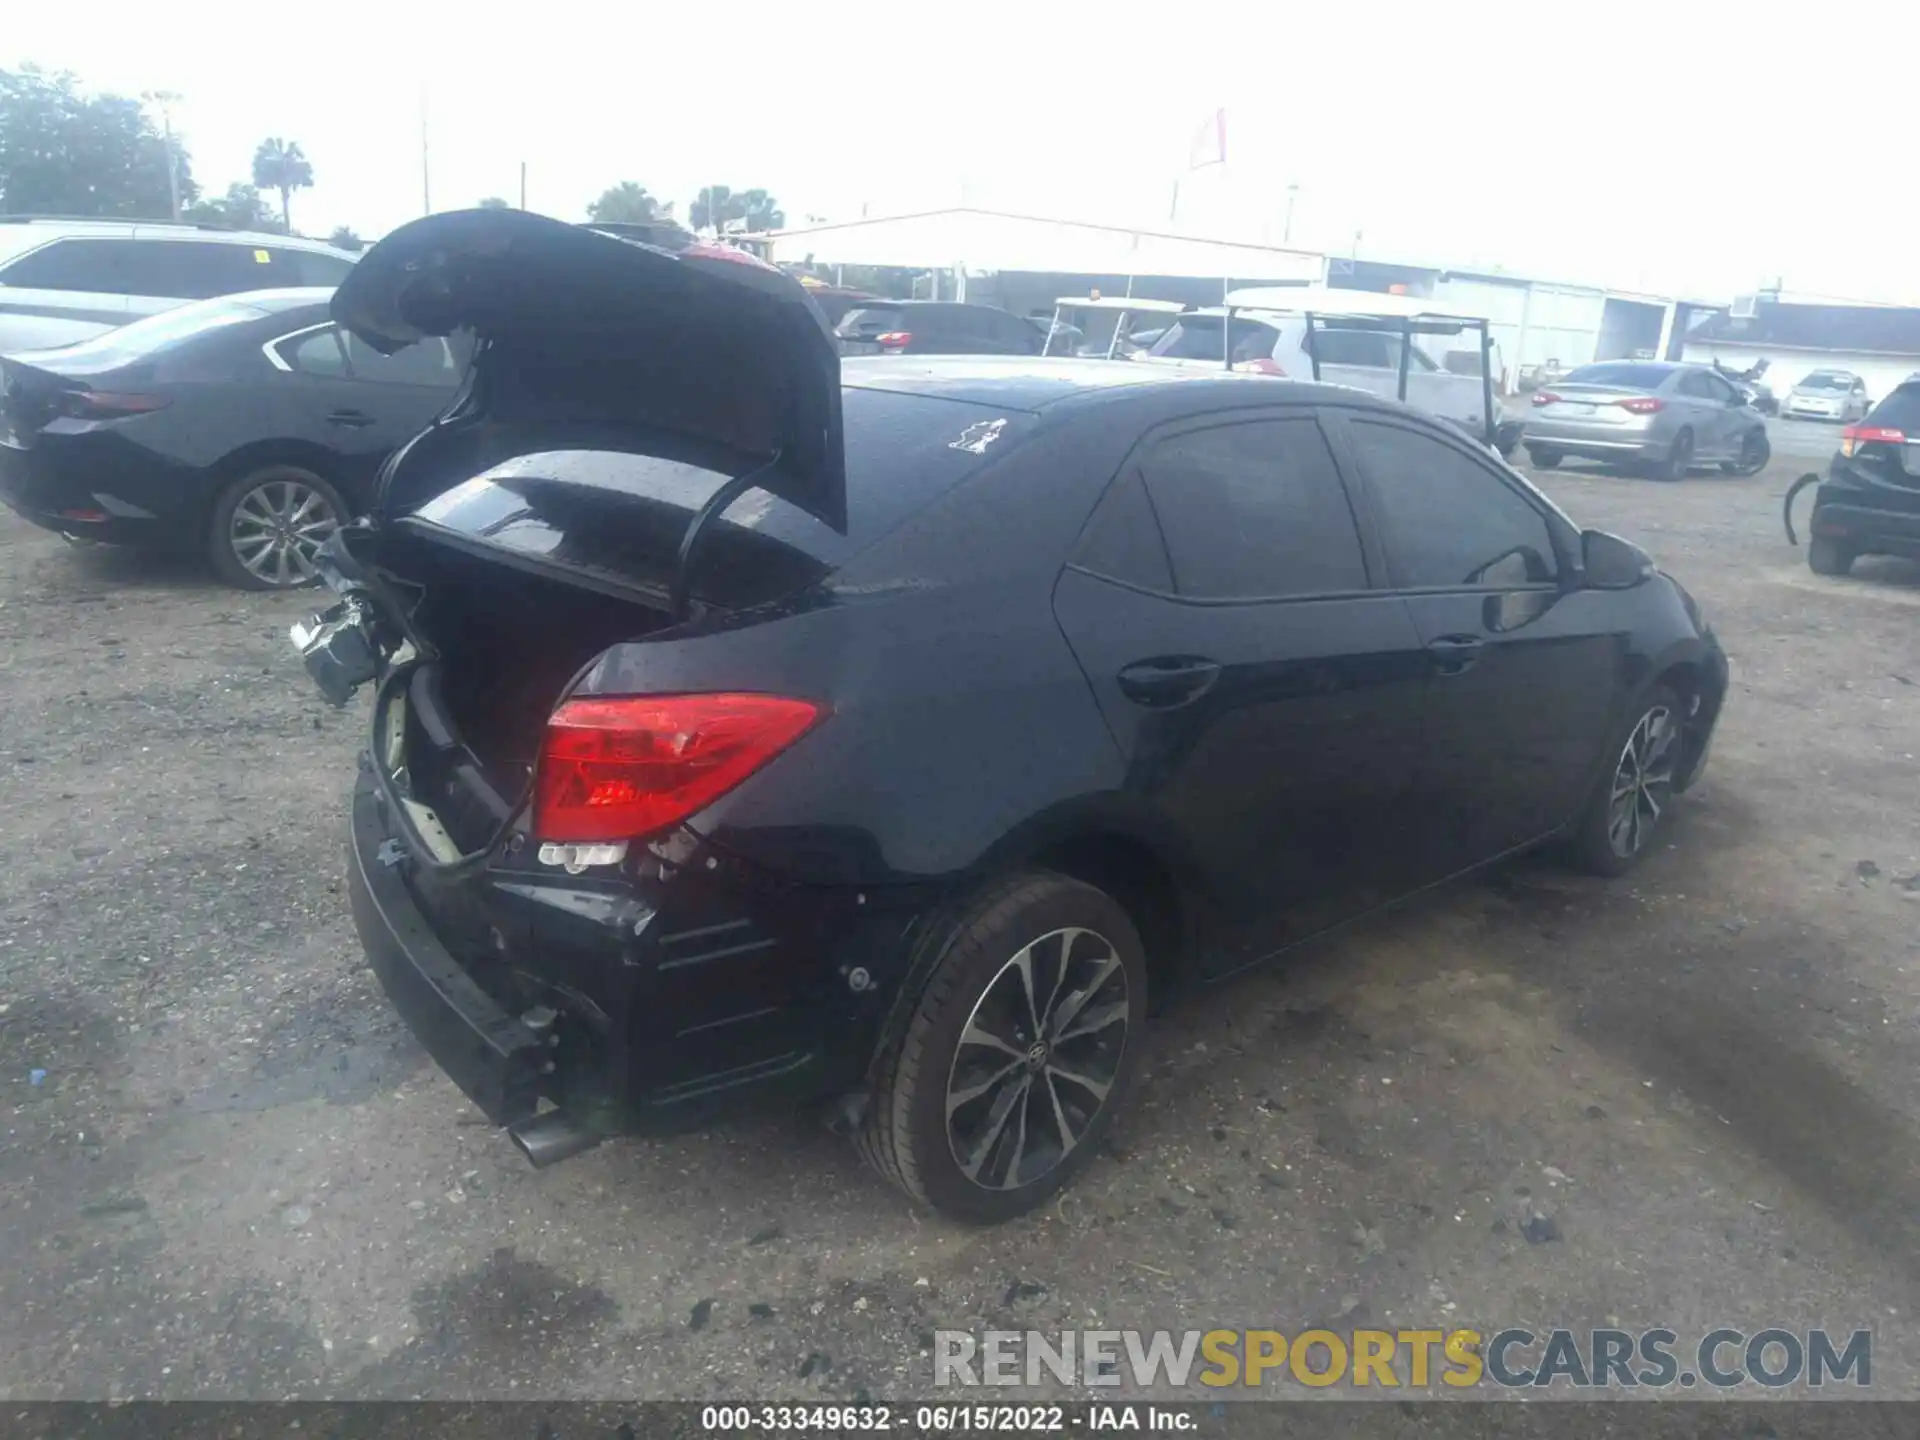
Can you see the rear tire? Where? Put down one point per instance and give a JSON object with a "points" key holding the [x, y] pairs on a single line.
{"points": [[1544, 457], [1679, 459], [976, 1035], [1827, 556], [1611, 834], [267, 525]]}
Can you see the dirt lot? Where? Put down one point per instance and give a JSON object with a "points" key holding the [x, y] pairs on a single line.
{"points": [[238, 1176]]}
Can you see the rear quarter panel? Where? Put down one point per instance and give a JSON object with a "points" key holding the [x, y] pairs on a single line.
{"points": [[958, 714]]}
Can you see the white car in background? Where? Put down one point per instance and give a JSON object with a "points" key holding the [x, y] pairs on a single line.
{"points": [[1828, 395], [66, 280], [1357, 339]]}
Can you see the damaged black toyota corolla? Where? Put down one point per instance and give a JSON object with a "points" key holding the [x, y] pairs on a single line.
{"points": [[747, 730]]}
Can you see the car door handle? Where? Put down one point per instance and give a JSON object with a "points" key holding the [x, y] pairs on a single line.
{"points": [[1455, 654], [1168, 680], [351, 419]]}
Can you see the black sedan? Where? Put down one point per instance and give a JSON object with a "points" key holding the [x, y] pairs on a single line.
{"points": [[747, 727], [245, 428], [1869, 502]]}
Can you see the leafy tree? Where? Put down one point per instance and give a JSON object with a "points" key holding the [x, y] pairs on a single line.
{"points": [[241, 208], [344, 238], [65, 153], [281, 165], [494, 202], [629, 204], [718, 206]]}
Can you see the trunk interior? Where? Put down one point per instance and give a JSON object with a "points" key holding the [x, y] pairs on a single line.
{"points": [[508, 643]]}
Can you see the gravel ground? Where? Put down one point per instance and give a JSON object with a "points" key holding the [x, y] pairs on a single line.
{"points": [[239, 1177]]}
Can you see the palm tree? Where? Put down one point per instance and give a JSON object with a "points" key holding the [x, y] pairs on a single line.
{"points": [[628, 203], [280, 165]]}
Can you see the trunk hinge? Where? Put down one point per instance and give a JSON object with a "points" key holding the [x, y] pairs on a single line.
{"points": [[710, 510]]}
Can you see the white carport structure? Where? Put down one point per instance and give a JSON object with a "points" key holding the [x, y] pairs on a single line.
{"points": [[965, 246]]}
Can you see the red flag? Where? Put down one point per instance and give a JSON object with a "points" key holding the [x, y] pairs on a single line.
{"points": [[1209, 143]]}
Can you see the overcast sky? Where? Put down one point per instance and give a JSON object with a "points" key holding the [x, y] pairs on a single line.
{"points": [[1646, 147]]}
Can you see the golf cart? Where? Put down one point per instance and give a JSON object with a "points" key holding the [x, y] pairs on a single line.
{"points": [[1357, 338], [1102, 327]]}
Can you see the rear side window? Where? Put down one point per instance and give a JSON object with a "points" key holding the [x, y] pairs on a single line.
{"points": [[306, 267], [316, 353], [1449, 521], [1698, 386], [867, 321], [1900, 410], [1356, 347], [1254, 510], [85, 265], [425, 362], [1122, 539]]}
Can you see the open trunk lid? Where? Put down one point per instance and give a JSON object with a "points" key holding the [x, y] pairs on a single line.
{"points": [[617, 343]]}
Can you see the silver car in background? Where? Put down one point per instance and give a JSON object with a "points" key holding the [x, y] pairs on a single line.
{"points": [[1655, 413], [1829, 395]]}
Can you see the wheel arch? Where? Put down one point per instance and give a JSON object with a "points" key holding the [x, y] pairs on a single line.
{"points": [[258, 454]]}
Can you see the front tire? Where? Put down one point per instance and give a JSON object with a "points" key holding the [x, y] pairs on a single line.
{"points": [[1544, 457], [1755, 452], [267, 527], [1629, 806], [1827, 556], [1020, 1050]]}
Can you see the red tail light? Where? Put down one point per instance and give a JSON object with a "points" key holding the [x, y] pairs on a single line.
{"points": [[894, 339], [1544, 397], [1642, 404], [1854, 436], [1260, 366], [630, 766], [105, 405]]}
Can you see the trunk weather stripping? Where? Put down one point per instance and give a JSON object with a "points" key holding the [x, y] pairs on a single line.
{"points": [[714, 505]]}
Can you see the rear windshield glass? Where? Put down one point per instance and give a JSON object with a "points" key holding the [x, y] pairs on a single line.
{"points": [[145, 338], [1818, 381], [1631, 377], [869, 320], [1198, 337], [1900, 410], [623, 515]]}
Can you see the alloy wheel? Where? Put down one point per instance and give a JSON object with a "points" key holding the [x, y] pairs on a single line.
{"points": [[1642, 782], [277, 530], [1037, 1059]]}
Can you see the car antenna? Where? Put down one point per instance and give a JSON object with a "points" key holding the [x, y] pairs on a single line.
{"points": [[709, 510]]}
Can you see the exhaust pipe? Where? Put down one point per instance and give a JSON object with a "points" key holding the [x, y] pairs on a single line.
{"points": [[547, 1139]]}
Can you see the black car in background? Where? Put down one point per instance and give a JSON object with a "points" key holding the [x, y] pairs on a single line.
{"points": [[749, 727], [936, 327], [246, 428], [1869, 503]]}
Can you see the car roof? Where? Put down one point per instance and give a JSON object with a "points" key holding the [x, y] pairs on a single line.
{"points": [[287, 298], [48, 227], [1036, 383]]}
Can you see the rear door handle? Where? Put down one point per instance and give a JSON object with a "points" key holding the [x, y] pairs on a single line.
{"points": [[351, 419], [1455, 654], [1168, 680]]}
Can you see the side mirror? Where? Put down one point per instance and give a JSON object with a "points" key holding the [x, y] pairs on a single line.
{"points": [[1609, 563]]}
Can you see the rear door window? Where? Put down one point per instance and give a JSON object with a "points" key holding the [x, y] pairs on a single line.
{"points": [[1900, 410], [1356, 347], [318, 352], [1697, 386], [1254, 510], [1122, 540], [425, 362], [1202, 337]]}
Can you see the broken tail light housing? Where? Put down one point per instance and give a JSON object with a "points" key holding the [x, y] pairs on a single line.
{"points": [[626, 767], [1854, 437], [1642, 404]]}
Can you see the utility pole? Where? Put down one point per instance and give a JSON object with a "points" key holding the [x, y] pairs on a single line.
{"points": [[523, 184], [1286, 233], [165, 99], [426, 186]]}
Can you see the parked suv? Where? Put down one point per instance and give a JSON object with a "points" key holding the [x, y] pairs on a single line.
{"points": [[68, 280], [1869, 504], [936, 327]]}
